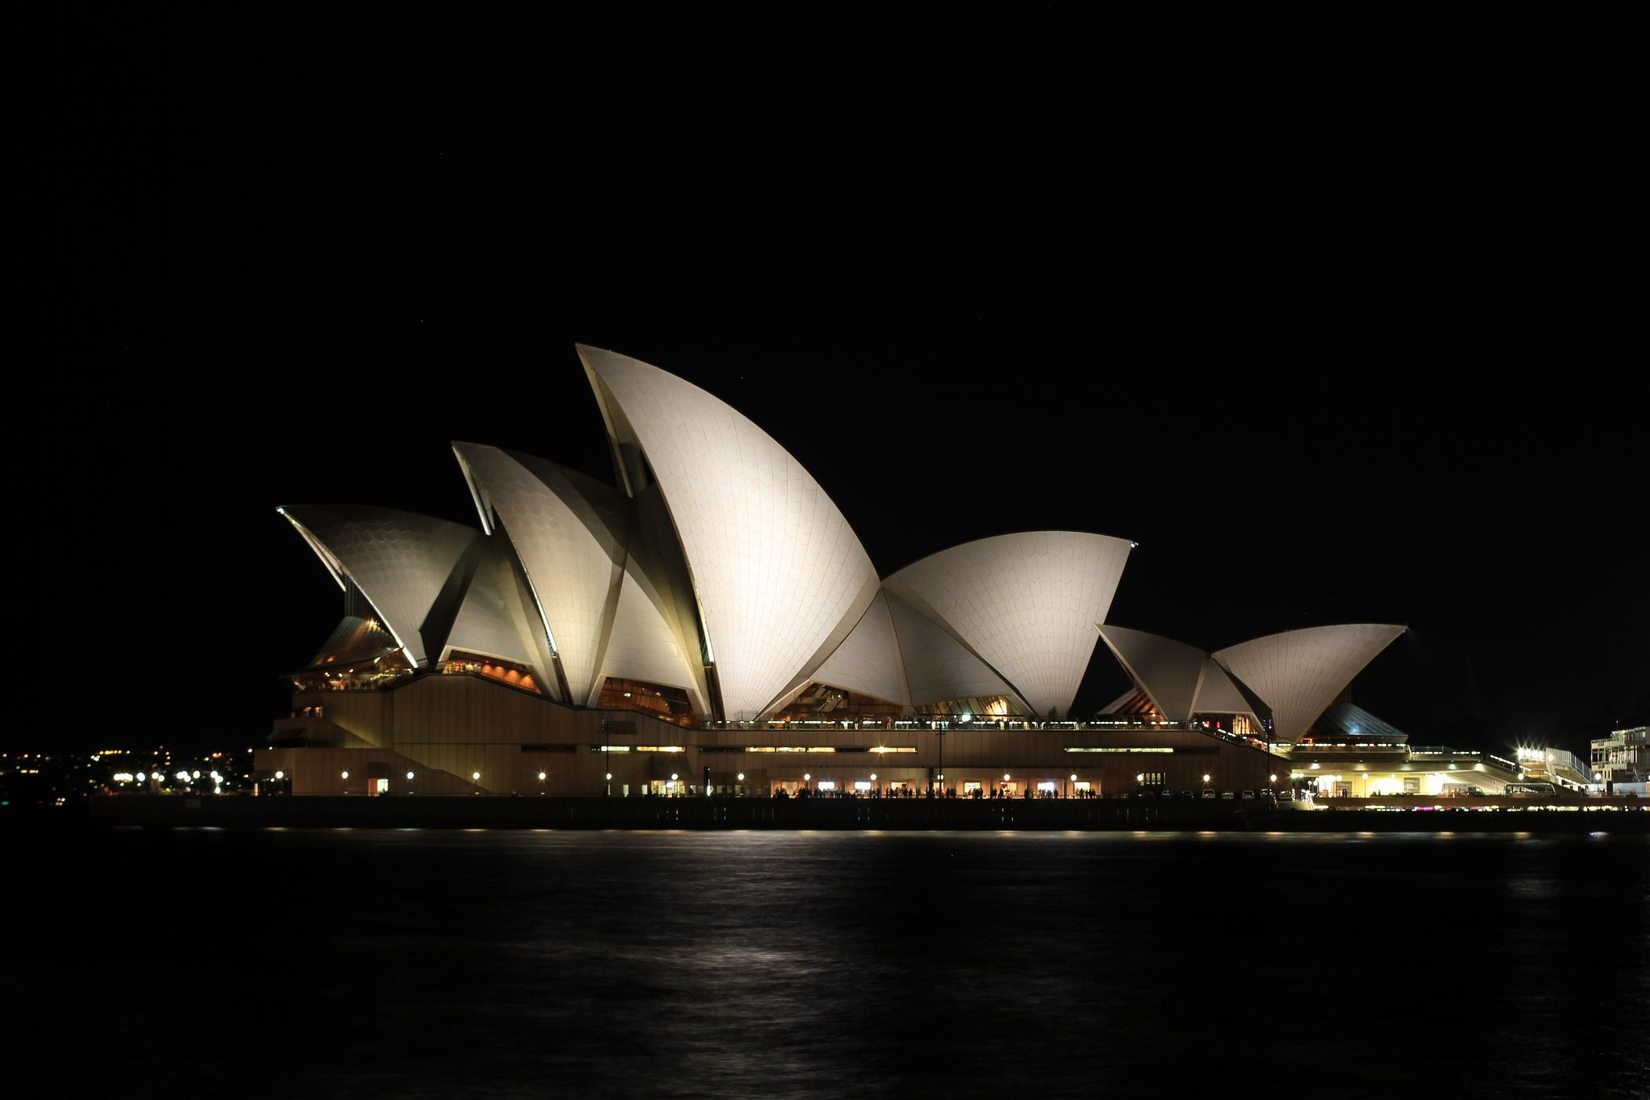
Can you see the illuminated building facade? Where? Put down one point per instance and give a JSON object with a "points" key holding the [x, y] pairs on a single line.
{"points": [[1623, 757], [711, 621]]}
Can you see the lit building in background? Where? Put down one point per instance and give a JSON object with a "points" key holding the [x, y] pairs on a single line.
{"points": [[712, 623], [1622, 760]]}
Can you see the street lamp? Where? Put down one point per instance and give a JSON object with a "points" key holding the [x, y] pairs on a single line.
{"points": [[345, 777]]}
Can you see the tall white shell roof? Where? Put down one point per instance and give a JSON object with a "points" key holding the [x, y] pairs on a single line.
{"points": [[1025, 604], [778, 571], [400, 561], [1299, 672]]}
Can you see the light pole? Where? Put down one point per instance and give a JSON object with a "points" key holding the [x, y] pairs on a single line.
{"points": [[409, 782], [345, 777]]}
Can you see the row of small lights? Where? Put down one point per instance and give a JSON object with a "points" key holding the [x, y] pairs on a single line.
{"points": [[1141, 777]]}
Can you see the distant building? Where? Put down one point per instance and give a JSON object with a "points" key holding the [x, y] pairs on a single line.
{"points": [[1622, 757]]}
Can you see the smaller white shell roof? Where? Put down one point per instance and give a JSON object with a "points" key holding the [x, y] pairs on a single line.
{"points": [[868, 661], [1026, 604], [1298, 673], [568, 531], [1181, 679], [399, 560]]}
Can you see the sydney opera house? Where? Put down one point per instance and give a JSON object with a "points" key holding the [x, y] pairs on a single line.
{"points": [[710, 624]]}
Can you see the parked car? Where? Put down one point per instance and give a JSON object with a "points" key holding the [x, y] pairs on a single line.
{"points": [[1166, 793], [1248, 794], [1227, 794], [1286, 796], [1210, 792]]}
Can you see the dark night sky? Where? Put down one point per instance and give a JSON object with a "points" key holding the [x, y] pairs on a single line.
{"points": [[1312, 396]]}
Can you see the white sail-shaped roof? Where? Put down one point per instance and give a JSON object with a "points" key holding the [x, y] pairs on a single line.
{"points": [[868, 661], [938, 668], [775, 566], [1026, 604], [1298, 673], [568, 532], [400, 561], [1168, 671], [1181, 680]]}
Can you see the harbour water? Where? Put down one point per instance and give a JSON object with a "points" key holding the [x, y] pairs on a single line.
{"points": [[522, 963]]}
